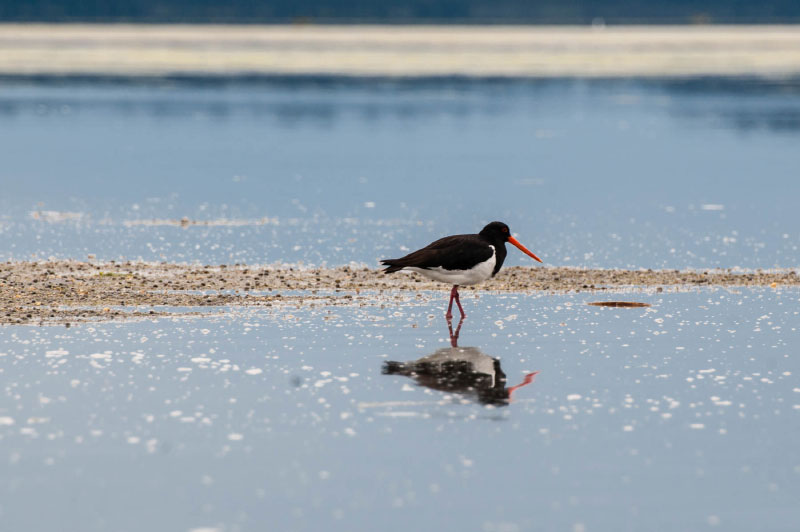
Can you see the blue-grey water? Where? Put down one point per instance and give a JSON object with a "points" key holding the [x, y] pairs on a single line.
{"points": [[661, 174], [681, 416]]}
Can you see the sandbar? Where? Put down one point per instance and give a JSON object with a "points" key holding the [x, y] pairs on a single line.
{"points": [[60, 292]]}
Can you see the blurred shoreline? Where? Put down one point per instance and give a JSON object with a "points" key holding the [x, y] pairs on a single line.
{"points": [[109, 51]]}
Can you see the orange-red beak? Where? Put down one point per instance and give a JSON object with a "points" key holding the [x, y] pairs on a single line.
{"points": [[523, 248], [528, 379]]}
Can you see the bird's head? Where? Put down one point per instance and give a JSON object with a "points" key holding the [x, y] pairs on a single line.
{"points": [[499, 232]]}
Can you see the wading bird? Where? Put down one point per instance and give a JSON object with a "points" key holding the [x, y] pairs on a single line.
{"points": [[466, 371], [460, 259]]}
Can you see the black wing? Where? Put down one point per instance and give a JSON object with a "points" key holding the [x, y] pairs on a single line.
{"points": [[458, 252]]}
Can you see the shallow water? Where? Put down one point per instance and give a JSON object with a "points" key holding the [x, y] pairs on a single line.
{"points": [[663, 174], [680, 416]]}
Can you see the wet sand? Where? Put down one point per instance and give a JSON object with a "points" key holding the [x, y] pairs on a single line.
{"points": [[398, 51], [61, 292]]}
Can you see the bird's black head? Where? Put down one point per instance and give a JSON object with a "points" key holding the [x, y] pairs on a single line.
{"points": [[496, 232], [499, 232]]}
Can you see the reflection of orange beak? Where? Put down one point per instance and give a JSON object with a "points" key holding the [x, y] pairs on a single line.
{"points": [[528, 379], [522, 248]]}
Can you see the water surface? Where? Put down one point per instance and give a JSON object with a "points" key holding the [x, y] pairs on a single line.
{"points": [[680, 416], [656, 174]]}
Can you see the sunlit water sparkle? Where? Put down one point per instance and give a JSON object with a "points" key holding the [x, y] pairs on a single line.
{"points": [[678, 416]]}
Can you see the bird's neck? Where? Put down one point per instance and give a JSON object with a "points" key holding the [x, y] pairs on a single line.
{"points": [[499, 257]]}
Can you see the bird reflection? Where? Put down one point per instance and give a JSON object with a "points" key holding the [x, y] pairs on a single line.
{"points": [[465, 371]]}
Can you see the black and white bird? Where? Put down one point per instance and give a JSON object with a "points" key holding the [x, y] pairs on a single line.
{"points": [[460, 259], [466, 371]]}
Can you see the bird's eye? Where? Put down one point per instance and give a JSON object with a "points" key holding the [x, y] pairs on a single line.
{"points": [[505, 229]]}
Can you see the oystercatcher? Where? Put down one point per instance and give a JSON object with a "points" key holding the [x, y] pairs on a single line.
{"points": [[461, 370], [460, 259]]}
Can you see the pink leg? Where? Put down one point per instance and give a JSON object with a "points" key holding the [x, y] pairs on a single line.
{"points": [[449, 314], [458, 302], [454, 336]]}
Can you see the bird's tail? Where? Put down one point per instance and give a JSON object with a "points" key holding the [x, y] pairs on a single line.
{"points": [[391, 266]]}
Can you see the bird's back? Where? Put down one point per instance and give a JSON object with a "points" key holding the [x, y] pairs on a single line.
{"points": [[457, 252]]}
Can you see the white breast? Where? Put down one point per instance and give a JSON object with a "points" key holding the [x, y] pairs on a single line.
{"points": [[477, 274], [479, 361]]}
